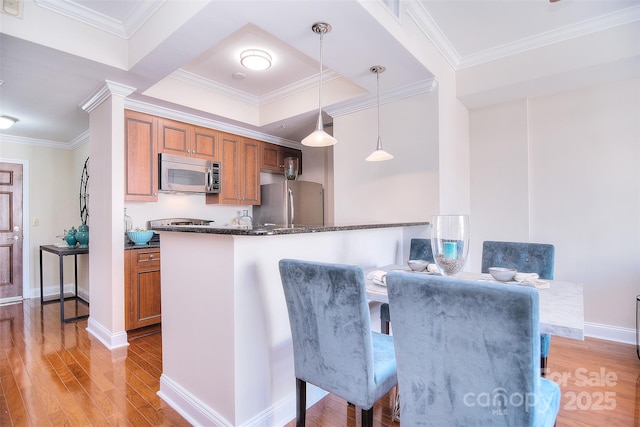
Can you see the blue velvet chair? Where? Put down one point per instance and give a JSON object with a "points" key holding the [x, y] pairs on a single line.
{"points": [[526, 258], [419, 249], [333, 345], [467, 353]]}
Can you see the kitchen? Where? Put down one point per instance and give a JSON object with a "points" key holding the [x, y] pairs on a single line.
{"points": [[447, 159]]}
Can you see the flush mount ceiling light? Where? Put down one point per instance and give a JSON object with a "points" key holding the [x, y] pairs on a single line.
{"points": [[255, 59], [6, 122], [319, 138], [379, 154]]}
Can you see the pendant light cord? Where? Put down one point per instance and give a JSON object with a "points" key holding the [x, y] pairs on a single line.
{"points": [[379, 145], [320, 125]]}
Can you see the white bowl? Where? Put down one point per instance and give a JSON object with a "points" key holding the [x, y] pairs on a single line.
{"points": [[140, 237], [417, 264], [502, 274]]}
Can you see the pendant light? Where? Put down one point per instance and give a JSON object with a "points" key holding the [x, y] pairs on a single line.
{"points": [[379, 154], [6, 122], [319, 138]]}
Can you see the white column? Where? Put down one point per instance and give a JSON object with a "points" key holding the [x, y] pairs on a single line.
{"points": [[106, 206]]}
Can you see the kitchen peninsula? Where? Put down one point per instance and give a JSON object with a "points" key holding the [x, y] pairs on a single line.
{"points": [[227, 352]]}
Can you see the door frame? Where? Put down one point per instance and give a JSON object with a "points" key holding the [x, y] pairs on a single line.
{"points": [[26, 227]]}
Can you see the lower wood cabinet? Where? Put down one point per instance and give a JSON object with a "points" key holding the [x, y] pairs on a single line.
{"points": [[142, 288]]}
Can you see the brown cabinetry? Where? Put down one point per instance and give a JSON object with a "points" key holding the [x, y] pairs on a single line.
{"points": [[241, 158], [187, 140], [141, 157], [239, 171], [273, 155], [142, 288]]}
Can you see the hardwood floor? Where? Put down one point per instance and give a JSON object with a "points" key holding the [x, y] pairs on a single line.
{"points": [[54, 375], [57, 375], [600, 383]]}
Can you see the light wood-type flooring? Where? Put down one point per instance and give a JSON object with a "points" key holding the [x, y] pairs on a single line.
{"points": [[57, 375]]}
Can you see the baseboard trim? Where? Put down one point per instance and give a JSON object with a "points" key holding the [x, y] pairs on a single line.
{"points": [[191, 408], [285, 410], [610, 333], [54, 290], [198, 413], [111, 340]]}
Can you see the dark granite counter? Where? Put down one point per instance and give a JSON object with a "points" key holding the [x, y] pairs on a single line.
{"points": [[277, 230], [129, 246]]}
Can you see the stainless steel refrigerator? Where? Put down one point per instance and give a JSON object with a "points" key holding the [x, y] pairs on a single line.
{"points": [[290, 203]]}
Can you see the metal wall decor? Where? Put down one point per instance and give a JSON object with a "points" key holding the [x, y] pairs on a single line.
{"points": [[84, 194]]}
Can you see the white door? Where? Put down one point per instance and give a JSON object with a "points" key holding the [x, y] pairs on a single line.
{"points": [[11, 234]]}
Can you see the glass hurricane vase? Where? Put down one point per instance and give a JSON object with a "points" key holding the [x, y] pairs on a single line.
{"points": [[450, 242]]}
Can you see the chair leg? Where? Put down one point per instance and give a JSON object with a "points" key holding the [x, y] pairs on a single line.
{"points": [[543, 366], [367, 417], [384, 327], [301, 398]]}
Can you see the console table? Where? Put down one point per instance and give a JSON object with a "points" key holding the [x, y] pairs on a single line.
{"points": [[63, 252]]}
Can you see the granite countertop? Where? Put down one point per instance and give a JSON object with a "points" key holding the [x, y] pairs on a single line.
{"points": [[277, 230], [129, 245]]}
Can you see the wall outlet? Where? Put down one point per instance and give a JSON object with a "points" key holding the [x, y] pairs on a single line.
{"points": [[35, 222], [11, 7]]}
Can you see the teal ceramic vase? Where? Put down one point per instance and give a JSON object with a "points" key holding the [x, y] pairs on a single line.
{"points": [[82, 235], [70, 237]]}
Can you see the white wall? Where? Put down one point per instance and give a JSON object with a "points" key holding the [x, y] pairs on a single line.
{"points": [[53, 200], [573, 159], [499, 176], [402, 189], [181, 206]]}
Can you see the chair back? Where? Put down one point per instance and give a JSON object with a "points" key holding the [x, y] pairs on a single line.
{"points": [[330, 328], [525, 257], [421, 249], [467, 352]]}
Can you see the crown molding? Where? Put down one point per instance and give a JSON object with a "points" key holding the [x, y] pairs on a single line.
{"points": [[80, 140], [310, 82], [583, 28], [108, 89], [144, 107], [425, 23], [368, 101], [421, 17], [211, 85], [124, 29], [282, 93]]}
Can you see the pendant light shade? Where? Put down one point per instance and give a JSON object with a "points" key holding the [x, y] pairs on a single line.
{"points": [[320, 138], [379, 154], [6, 122]]}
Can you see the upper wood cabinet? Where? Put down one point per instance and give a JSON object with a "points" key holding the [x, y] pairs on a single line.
{"points": [[273, 155], [239, 170], [141, 157], [205, 143], [187, 140]]}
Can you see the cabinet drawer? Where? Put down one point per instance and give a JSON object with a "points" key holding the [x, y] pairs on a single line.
{"points": [[146, 257]]}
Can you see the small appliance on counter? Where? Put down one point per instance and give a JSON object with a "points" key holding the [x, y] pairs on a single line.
{"points": [[290, 203]]}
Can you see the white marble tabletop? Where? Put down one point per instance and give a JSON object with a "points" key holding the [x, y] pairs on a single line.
{"points": [[561, 305]]}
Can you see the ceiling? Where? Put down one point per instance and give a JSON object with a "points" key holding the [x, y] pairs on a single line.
{"points": [[183, 56]]}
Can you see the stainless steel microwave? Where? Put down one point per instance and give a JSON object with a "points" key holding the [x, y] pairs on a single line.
{"points": [[188, 175]]}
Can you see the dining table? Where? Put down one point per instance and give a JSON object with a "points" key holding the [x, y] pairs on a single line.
{"points": [[561, 303]]}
